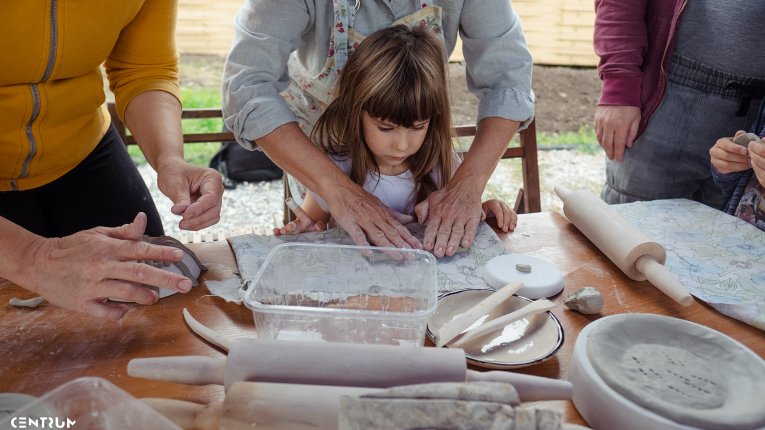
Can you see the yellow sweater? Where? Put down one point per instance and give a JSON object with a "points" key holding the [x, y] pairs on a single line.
{"points": [[52, 111]]}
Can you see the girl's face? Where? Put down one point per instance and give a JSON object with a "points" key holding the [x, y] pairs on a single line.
{"points": [[392, 144]]}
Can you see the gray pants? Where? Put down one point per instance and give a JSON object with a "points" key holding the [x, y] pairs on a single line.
{"points": [[671, 158]]}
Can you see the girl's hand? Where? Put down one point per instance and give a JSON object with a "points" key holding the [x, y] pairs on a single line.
{"points": [[506, 217], [727, 157], [302, 224]]}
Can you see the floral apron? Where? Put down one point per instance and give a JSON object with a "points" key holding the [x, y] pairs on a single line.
{"points": [[308, 96]]}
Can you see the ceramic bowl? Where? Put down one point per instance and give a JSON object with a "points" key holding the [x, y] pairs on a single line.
{"points": [[521, 343]]}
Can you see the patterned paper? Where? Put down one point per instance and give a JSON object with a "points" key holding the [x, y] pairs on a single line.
{"points": [[460, 271], [718, 257]]}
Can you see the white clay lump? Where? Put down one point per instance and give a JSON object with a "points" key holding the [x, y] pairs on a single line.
{"points": [[587, 300]]}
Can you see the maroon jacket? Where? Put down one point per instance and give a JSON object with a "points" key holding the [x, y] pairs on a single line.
{"points": [[634, 40]]}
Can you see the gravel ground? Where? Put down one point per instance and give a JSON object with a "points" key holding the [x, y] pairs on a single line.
{"points": [[257, 207]]}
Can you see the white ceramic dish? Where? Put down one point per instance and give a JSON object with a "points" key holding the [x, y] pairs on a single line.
{"points": [[522, 343], [603, 407]]}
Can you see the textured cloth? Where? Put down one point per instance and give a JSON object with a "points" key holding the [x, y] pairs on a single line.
{"points": [[52, 111], [731, 23], [267, 32]]}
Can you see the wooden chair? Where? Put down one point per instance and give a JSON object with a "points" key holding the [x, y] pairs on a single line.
{"points": [[528, 198]]}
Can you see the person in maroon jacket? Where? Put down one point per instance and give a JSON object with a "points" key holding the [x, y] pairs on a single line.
{"points": [[670, 90]]}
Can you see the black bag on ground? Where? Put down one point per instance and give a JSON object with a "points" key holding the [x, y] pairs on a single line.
{"points": [[240, 165]]}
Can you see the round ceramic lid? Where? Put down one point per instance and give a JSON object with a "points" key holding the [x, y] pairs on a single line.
{"points": [[543, 279], [682, 371]]}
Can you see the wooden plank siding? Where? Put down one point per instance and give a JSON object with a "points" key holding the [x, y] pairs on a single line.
{"points": [[559, 32]]}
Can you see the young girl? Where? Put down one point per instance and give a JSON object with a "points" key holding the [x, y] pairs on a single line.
{"points": [[389, 128]]}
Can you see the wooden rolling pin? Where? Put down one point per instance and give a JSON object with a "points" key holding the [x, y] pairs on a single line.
{"points": [[341, 364], [633, 252]]}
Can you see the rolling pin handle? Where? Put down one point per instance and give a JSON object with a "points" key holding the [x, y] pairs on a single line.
{"points": [[663, 279], [530, 388]]}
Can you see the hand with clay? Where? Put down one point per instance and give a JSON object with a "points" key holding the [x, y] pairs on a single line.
{"points": [[757, 157], [506, 217], [616, 128], [83, 271], [728, 157]]}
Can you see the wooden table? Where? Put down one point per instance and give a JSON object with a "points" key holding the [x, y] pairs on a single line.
{"points": [[46, 347]]}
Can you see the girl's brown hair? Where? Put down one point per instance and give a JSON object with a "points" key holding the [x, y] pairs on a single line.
{"points": [[397, 74]]}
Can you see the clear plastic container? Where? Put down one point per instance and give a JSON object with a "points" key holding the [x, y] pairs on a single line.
{"points": [[87, 403], [343, 293]]}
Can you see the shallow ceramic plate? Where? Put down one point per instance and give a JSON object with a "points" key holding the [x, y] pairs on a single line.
{"points": [[522, 343]]}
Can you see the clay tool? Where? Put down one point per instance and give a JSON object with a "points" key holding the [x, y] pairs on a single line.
{"points": [[464, 321], [533, 308], [631, 250], [342, 364]]}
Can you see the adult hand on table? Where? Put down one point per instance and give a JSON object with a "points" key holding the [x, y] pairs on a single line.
{"points": [[366, 219], [82, 271], [451, 216], [196, 192], [616, 128]]}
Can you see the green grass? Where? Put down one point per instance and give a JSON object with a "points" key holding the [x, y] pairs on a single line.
{"points": [[584, 140], [196, 153]]}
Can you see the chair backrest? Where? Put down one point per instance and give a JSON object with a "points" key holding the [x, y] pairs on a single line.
{"points": [[527, 200]]}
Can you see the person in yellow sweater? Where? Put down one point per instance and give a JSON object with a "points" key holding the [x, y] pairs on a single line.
{"points": [[72, 204]]}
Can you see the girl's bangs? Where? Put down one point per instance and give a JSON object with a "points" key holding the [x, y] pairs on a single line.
{"points": [[405, 100]]}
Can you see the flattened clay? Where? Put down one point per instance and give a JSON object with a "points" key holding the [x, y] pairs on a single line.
{"points": [[682, 371], [189, 265], [444, 405]]}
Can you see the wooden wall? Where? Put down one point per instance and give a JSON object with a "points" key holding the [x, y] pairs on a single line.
{"points": [[206, 26], [559, 32]]}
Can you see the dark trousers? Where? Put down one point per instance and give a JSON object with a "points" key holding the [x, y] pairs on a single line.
{"points": [[105, 189]]}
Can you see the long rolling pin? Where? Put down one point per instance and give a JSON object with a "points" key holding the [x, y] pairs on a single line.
{"points": [[633, 252], [340, 364]]}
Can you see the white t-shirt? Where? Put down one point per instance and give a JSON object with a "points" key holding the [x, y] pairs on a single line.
{"points": [[396, 192]]}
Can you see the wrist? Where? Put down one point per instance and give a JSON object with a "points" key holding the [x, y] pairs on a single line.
{"points": [[26, 262], [168, 162]]}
